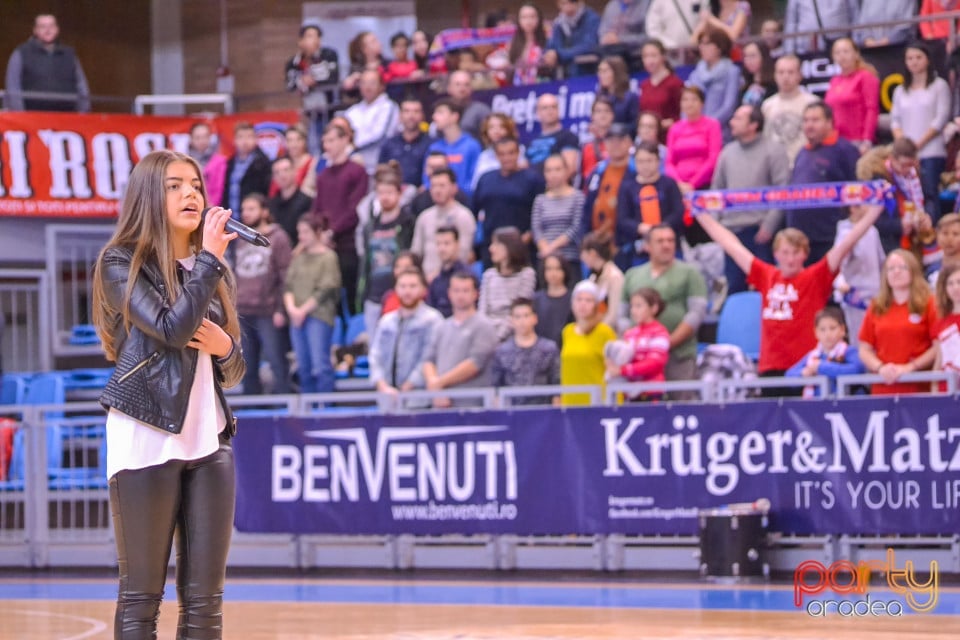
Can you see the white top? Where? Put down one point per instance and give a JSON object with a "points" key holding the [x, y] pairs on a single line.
{"points": [[132, 444], [916, 112], [425, 233], [784, 121], [373, 122]]}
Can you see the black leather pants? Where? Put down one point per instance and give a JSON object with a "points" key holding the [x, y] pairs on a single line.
{"points": [[195, 499]]}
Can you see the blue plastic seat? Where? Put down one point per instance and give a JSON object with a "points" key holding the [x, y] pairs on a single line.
{"points": [[477, 269], [65, 435], [91, 438], [46, 388], [339, 333], [84, 335], [739, 322], [13, 389], [355, 326], [87, 378]]}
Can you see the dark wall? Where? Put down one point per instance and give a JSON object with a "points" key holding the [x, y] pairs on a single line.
{"points": [[112, 39]]}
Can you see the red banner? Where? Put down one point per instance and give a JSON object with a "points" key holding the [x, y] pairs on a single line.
{"points": [[76, 166]]}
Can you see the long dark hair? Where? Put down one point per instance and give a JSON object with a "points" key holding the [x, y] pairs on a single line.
{"points": [[143, 229], [766, 64], [520, 39], [518, 256], [659, 46], [944, 303], [423, 62], [621, 76], [931, 70]]}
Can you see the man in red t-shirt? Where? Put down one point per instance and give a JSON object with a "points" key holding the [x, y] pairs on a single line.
{"points": [[792, 295]]}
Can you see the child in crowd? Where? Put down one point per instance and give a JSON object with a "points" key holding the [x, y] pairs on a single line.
{"points": [[526, 359], [833, 355], [581, 359], [948, 241], [906, 224], [649, 340], [946, 331], [859, 278], [552, 303], [596, 251], [401, 66], [792, 294]]}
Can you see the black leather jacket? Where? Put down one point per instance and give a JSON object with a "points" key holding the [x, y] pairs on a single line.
{"points": [[155, 369]]}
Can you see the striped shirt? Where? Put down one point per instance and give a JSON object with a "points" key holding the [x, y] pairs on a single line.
{"points": [[554, 216], [497, 293]]}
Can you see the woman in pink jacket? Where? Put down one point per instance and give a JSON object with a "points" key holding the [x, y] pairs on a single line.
{"points": [[854, 95], [693, 146]]}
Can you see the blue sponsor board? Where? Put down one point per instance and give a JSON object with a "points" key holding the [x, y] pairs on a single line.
{"points": [[576, 95], [862, 466]]}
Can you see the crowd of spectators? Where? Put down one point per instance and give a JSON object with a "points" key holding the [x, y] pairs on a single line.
{"points": [[475, 259]]}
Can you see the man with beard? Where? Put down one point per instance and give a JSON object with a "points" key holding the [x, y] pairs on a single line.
{"points": [[463, 345], [410, 146], [402, 338]]}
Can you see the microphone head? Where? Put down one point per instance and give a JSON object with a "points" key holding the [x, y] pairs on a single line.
{"points": [[261, 240]]}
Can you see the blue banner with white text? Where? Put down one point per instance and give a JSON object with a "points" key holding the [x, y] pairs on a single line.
{"points": [[576, 95], [860, 466]]}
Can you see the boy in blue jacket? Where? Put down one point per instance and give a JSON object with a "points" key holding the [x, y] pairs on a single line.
{"points": [[832, 357]]}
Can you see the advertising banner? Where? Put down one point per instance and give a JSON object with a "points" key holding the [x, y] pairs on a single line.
{"points": [[77, 165], [576, 95], [862, 466]]}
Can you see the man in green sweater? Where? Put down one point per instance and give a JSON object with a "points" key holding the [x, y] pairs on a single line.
{"points": [[684, 294]]}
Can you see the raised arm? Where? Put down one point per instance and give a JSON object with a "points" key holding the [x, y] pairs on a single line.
{"points": [[726, 239], [837, 253]]}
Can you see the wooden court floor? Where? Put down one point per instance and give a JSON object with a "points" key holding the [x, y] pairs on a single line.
{"points": [[75, 618]]}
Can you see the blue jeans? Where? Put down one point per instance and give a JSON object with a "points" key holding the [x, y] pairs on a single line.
{"points": [[736, 278], [311, 343], [930, 170], [263, 341]]}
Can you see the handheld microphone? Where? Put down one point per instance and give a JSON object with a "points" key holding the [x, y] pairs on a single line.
{"points": [[243, 231]]}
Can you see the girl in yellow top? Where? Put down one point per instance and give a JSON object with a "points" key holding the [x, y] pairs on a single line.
{"points": [[581, 358]]}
